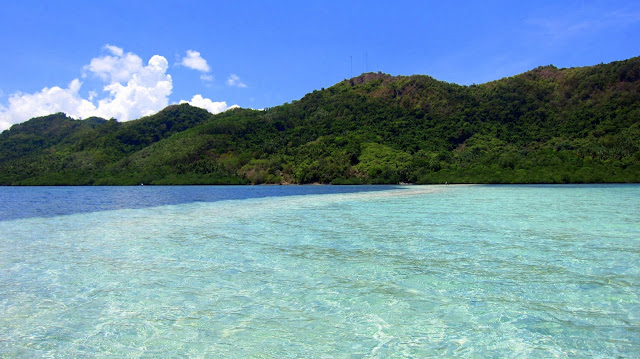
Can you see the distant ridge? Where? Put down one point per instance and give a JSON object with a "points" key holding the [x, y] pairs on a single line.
{"points": [[547, 125]]}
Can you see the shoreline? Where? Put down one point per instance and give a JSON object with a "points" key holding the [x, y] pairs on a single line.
{"points": [[325, 184]]}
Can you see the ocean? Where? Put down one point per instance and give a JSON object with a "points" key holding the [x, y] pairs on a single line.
{"points": [[320, 271]]}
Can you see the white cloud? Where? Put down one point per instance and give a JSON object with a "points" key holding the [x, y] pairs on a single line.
{"points": [[114, 50], [45, 102], [145, 93], [117, 68], [207, 104], [234, 80], [194, 61], [133, 90]]}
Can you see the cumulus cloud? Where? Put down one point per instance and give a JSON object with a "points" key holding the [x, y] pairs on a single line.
{"points": [[207, 104], [146, 92], [131, 90], [117, 68], [45, 102], [194, 61], [234, 80]]}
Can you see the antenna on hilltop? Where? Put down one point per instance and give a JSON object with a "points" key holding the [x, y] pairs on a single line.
{"points": [[351, 69], [366, 62]]}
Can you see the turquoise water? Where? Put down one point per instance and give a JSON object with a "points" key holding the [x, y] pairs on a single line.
{"points": [[455, 271]]}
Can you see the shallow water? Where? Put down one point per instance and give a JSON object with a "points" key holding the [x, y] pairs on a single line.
{"points": [[466, 271]]}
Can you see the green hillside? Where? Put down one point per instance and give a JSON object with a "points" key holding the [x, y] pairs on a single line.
{"points": [[547, 125]]}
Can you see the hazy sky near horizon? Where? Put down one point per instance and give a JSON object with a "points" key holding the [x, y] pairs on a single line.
{"points": [[127, 59]]}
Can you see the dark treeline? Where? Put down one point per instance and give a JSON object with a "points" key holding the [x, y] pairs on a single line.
{"points": [[548, 125]]}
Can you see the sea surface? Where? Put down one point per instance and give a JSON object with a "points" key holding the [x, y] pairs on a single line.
{"points": [[320, 271]]}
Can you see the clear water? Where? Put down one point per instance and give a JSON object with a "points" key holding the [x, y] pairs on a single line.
{"points": [[25, 202], [454, 271]]}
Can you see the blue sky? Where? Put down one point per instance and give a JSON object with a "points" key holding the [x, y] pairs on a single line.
{"points": [[124, 59]]}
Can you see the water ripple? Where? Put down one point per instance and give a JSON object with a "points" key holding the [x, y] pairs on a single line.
{"points": [[453, 271]]}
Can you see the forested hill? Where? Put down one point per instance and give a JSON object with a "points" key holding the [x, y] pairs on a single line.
{"points": [[547, 125]]}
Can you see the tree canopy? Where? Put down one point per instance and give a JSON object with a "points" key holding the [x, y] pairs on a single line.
{"points": [[548, 125]]}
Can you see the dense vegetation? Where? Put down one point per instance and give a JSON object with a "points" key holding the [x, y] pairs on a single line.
{"points": [[547, 125]]}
